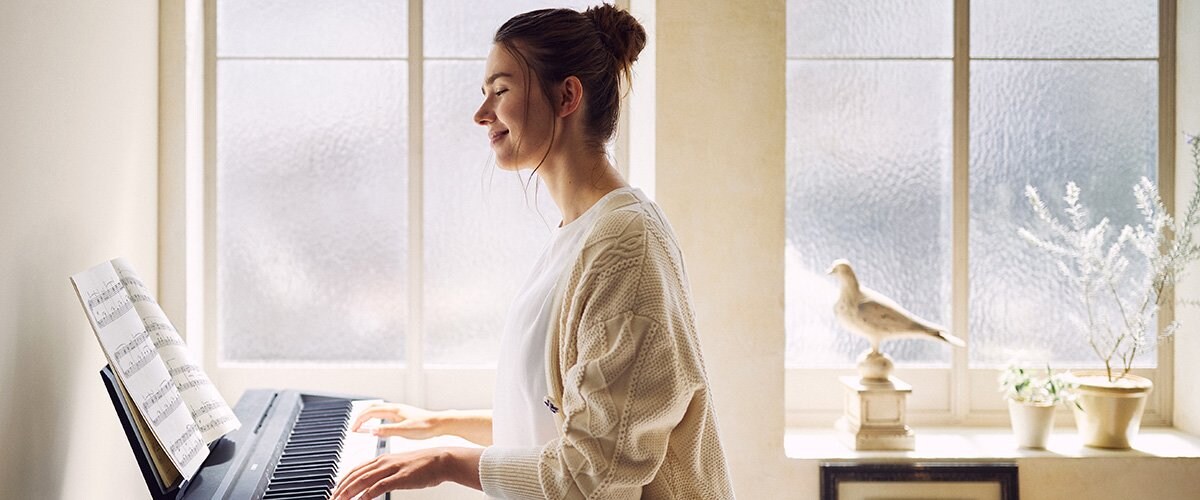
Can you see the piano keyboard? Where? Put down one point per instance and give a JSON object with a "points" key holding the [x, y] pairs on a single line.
{"points": [[320, 450], [290, 445]]}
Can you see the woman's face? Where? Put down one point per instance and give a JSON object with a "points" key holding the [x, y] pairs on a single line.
{"points": [[515, 111]]}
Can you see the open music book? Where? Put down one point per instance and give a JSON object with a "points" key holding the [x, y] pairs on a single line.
{"points": [[175, 407]]}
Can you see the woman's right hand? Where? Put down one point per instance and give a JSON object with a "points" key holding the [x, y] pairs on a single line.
{"points": [[401, 420]]}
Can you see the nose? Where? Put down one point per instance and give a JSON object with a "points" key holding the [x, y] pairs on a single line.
{"points": [[484, 115]]}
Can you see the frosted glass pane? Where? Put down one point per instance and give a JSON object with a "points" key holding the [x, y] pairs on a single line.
{"points": [[482, 233], [868, 179], [312, 210], [312, 28], [1037, 28], [870, 28], [1046, 123], [464, 28]]}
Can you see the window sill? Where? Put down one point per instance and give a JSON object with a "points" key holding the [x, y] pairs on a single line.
{"points": [[988, 443]]}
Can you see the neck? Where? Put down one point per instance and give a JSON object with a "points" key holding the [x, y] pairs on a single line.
{"points": [[577, 179], [851, 286]]}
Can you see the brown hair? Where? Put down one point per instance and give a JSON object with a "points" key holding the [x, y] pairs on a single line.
{"points": [[597, 46]]}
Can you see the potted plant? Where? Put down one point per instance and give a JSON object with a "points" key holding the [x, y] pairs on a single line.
{"points": [[1121, 284], [1032, 398]]}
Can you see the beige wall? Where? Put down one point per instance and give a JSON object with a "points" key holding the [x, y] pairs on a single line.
{"points": [[1187, 343], [720, 178], [78, 186]]}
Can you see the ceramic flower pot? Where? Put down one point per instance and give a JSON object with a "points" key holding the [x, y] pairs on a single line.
{"points": [[1109, 413], [1031, 423]]}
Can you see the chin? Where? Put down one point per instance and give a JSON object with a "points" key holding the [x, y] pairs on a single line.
{"points": [[507, 165]]}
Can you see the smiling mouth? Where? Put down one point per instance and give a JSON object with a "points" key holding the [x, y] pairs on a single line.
{"points": [[496, 136]]}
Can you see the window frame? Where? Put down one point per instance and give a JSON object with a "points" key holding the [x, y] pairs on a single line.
{"points": [[960, 394], [187, 223]]}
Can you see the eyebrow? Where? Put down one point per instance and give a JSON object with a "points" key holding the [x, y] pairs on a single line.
{"points": [[493, 78]]}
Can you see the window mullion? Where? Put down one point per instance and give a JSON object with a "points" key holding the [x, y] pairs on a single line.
{"points": [[414, 336], [959, 385], [1165, 368]]}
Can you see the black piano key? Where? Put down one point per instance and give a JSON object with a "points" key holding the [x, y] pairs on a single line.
{"points": [[327, 469], [301, 474], [298, 458], [322, 416], [311, 454], [306, 484], [297, 473], [297, 495], [318, 426], [314, 441], [323, 429], [335, 437], [307, 466]]}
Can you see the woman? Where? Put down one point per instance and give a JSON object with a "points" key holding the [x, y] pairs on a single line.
{"points": [[601, 390]]}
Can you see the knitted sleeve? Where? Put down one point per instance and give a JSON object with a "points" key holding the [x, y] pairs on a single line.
{"points": [[627, 378]]}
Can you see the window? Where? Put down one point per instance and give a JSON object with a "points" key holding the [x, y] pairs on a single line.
{"points": [[359, 236], [913, 128]]}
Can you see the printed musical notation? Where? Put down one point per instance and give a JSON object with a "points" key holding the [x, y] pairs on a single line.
{"points": [[137, 289], [189, 377], [192, 384], [184, 370], [158, 394], [188, 444], [139, 349], [217, 422], [162, 333], [154, 363], [173, 403], [109, 303]]}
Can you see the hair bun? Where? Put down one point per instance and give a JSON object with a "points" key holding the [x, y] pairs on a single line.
{"points": [[620, 32]]}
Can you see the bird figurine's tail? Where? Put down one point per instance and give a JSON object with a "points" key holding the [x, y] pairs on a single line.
{"points": [[951, 339]]}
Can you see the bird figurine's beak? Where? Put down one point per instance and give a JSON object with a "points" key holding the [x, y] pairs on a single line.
{"points": [[830, 270]]}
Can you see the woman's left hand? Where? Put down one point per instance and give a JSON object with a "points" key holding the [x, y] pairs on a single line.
{"points": [[412, 470]]}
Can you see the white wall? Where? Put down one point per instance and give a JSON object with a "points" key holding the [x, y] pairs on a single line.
{"points": [[78, 128]]}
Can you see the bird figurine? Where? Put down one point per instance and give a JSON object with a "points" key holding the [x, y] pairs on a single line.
{"points": [[868, 313]]}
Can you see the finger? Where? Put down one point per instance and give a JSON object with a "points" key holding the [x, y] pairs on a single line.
{"points": [[351, 477], [373, 412], [364, 480], [401, 430]]}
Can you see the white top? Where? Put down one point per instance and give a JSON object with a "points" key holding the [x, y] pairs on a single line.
{"points": [[519, 414]]}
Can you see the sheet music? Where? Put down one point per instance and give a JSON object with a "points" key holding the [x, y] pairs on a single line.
{"points": [[214, 418], [113, 299], [158, 456]]}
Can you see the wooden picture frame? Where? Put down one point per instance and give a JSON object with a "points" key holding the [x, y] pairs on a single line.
{"points": [[919, 481]]}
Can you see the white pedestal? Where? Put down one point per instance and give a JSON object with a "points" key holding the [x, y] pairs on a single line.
{"points": [[874, 415]]}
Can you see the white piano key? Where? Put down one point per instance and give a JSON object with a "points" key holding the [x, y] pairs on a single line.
{"points": [[359, 447]]}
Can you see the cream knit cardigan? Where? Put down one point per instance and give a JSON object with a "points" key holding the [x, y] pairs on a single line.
{"points": [[625, 375]]}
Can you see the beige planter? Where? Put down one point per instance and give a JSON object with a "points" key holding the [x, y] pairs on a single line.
{"points": [[1111, 412], [1031, 423]]}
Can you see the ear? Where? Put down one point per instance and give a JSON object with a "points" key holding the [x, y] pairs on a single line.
{"points": [[570, 96]]}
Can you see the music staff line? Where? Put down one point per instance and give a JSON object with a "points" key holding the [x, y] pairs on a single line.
{"points": [[191, 439], [141, 351], [126, 291], [158, 394], [162, 414]]}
